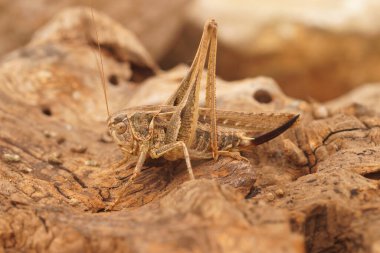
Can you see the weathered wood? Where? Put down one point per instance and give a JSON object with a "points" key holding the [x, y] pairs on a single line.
{"points": [[315, 186]]}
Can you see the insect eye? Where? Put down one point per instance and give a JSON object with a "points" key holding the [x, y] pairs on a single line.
{"points": [[120, 128]]}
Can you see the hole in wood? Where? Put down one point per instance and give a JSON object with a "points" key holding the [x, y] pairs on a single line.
{"points": [[140, 73], [262, 96], [46, 111], [113, 80], [253, 192]]}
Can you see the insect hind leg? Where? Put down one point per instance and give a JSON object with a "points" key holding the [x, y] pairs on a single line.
{"points": [[233, 154], [211, 88]]}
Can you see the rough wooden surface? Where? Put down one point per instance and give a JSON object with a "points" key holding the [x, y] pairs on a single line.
{"points": [[314, 189]]}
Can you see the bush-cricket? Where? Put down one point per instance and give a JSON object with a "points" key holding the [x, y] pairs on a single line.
{"points": [[181, 129]]}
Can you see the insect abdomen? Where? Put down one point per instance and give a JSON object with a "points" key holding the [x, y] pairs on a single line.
{"points": [[226, 140]]}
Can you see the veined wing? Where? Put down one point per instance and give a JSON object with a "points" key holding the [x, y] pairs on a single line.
{"points": [[247, 122], [262, 122]]}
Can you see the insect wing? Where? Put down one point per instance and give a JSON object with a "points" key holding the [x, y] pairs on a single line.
{"points": [[247, 122]]}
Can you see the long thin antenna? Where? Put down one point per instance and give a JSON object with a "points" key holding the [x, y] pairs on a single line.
{"points": [[100, 64]]}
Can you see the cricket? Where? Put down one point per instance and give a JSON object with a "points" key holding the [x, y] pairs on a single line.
{"points": [[182, 129]]}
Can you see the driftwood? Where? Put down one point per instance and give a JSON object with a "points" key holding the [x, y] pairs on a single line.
{"points": [[314, 189]]}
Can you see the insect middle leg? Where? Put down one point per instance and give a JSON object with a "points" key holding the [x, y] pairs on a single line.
{"points": [[156, 153]]}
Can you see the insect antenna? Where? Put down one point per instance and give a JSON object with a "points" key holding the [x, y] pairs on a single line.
{"points": [[99, 63]]}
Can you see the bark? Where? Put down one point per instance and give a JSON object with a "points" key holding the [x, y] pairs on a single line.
{"points": [[313, 189]]}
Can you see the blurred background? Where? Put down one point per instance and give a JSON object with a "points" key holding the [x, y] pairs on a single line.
{"points": [[315, 49]]}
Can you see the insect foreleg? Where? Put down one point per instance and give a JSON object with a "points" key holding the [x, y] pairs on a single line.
{"points": [[156, 153], [136, 172], [140, 163]]}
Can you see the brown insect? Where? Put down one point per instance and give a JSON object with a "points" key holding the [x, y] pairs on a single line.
{"points": [[181, 129]]}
